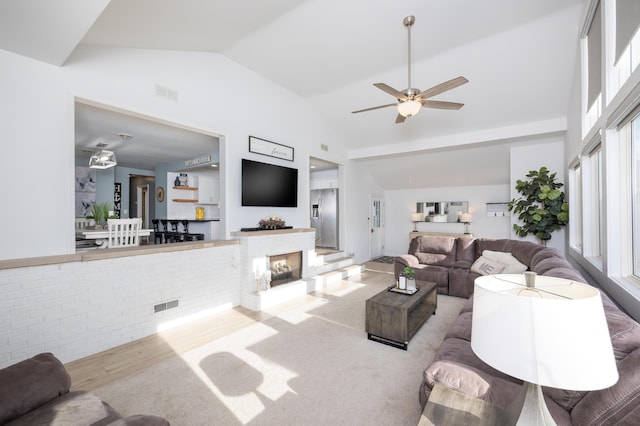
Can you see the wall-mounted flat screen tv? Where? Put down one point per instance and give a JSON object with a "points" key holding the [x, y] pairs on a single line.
{"points": [[268, 185]]}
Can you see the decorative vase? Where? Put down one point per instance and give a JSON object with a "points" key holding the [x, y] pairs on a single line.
{"points": [[411, 284], [402, 282]]}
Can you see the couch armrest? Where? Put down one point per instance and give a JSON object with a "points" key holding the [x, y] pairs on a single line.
{"points": [[407, 260], [31, 383]]}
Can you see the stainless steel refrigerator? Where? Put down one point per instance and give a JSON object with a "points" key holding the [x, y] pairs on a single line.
{"points": [[324, 217]]}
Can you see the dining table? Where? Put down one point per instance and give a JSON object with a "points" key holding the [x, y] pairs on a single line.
{"points": [[101, 236]]}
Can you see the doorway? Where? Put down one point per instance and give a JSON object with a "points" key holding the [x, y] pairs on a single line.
{"points": [[139, 204], [376, 225]]}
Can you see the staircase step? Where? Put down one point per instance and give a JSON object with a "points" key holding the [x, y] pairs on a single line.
{"points": [[334, 264], [335, 275]]}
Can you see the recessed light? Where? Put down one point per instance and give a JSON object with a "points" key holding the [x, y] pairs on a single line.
{"points": [[125, 136]]}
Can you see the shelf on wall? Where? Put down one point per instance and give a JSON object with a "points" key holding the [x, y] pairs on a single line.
{"points": [[183, 200], [186, 188], [498, 209]]}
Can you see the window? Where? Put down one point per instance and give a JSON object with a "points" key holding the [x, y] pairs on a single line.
{"points": [[592, 50], [593, 205], [575, 207], [627, 42], [635, 194]]}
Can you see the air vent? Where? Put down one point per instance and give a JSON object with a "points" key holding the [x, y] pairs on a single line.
{"points": [[165, 305], [167, 93]]}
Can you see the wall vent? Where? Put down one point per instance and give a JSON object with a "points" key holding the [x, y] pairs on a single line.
{"points": [[167, 93], [165, 305]]}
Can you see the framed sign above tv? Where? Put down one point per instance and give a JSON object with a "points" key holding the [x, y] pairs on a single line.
{"points": [[271, 149]]}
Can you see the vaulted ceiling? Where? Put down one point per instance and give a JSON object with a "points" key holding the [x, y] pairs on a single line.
{"points": [[519, 58]]}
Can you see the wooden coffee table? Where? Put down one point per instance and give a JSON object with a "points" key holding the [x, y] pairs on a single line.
{"points": [[393, 318]]}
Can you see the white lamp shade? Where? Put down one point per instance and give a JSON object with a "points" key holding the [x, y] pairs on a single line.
{"points": [[553, 335], [409, 108], [466, 218], [103, 159], [417, 217]]}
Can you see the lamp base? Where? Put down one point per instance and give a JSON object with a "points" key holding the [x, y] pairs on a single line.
{"points": [[529, 408]]}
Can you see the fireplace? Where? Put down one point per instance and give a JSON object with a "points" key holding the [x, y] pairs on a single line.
{"points": [[284, 268]]}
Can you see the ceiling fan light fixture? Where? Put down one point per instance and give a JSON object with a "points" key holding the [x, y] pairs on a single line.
{"points": [[103, 159], [409, 108]]}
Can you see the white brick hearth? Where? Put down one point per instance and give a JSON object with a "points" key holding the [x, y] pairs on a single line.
{"points": [[256, 247]]}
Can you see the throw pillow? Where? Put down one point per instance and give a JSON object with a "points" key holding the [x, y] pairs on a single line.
{"points": [[511, 264], [484, 266]]}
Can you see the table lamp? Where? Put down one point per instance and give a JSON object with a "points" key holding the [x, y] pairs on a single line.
{"points": [[545, 331], [466, 218], [415, 218]]}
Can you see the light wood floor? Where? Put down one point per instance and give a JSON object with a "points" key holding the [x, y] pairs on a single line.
{"points": [[116, 363]]}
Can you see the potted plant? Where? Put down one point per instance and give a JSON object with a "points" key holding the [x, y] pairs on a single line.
{"points": [[100, 214], [541, 206], [410, 276], [409, 273]]}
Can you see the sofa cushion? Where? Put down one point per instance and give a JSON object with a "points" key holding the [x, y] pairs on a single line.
{"points": [[624, 331], [524, 251], [461, 328], [31, 383], [466, 250], [75, 408], [617, 405], [511, 264], [484, 266], [436, 251]]}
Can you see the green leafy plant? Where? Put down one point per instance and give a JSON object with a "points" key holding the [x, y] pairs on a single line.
{"points": [[541, 206], [409, 273], [100, 213]]}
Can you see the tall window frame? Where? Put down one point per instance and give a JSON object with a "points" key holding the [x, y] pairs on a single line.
{"points": [[623, 43], [593, 226], [575, 207]]}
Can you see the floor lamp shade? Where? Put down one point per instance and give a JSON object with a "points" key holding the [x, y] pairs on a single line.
{"points": [[552, 335]]}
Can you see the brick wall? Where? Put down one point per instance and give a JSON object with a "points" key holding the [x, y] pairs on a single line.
{"points": [[76, 309], [254, 252]]}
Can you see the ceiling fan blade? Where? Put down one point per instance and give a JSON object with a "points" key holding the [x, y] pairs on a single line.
{"points": [[400, 118], [390, 90], [372, 108], [441, 104], [443, 87]]}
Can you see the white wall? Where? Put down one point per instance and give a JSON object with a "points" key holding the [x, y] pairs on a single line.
{"points": [[37, 103], [401, 203], [359, 186], [533, 157]]}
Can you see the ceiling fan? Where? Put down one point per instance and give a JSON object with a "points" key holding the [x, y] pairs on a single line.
{"points": [[411, 99]]}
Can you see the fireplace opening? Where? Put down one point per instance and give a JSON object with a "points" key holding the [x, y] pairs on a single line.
{"points": [[285, 268]]}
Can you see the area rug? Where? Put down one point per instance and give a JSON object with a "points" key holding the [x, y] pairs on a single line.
{"points": [[309, 365], [383, 259]]}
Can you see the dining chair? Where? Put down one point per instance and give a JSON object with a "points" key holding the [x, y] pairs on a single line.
{"points": [[84, 223], [159, 236], [124, 232], [174, 234], [189, 236]]}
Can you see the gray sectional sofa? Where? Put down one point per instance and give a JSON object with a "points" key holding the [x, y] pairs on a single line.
{"points": [[36, 392], [448, 261]]}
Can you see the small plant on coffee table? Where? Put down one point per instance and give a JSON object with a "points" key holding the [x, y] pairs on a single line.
{"points": [[409, 273]]}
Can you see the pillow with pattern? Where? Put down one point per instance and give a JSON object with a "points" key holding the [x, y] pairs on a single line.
{"points": [[484, 266], [511, 264]]}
